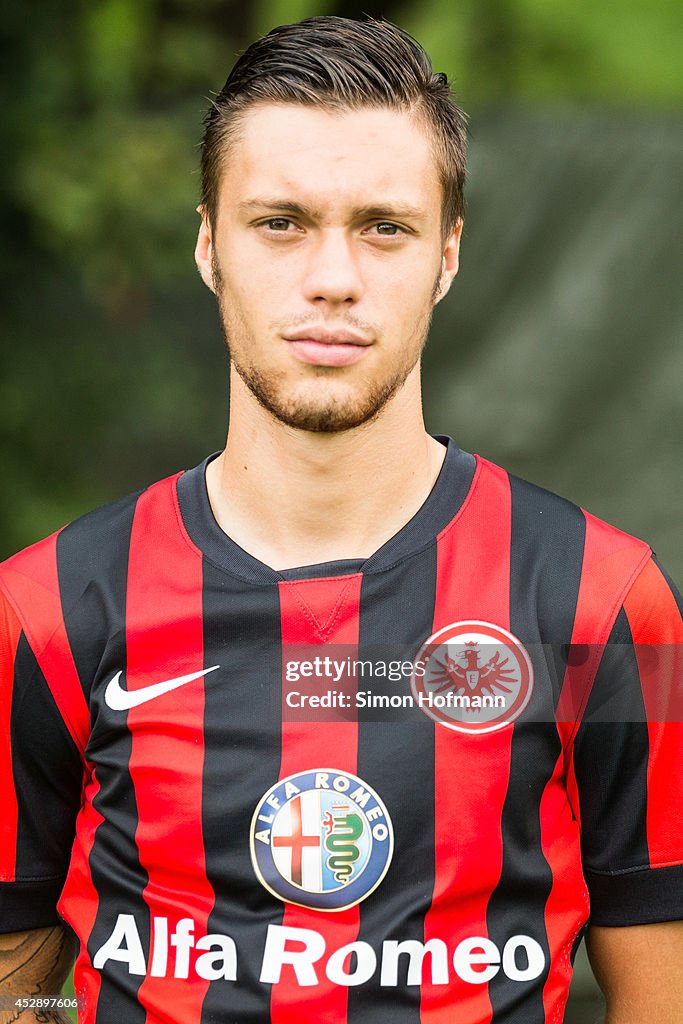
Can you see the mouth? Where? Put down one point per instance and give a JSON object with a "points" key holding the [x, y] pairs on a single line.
{"points": [[327, 348]]}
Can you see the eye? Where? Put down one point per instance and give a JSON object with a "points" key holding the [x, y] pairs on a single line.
{"points": [[387, 229], [279, 224]]}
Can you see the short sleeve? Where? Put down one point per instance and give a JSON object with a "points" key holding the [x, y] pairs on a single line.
{"points": [[41, 782], [627, 756]]}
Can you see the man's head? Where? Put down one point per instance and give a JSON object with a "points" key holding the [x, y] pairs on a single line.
{"points": [[332, 178], [340, 64]]}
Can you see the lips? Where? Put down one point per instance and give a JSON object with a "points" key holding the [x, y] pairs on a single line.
{"points": [[324, 347]]}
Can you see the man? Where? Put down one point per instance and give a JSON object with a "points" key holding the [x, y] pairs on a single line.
{"points": [[223, 844]]}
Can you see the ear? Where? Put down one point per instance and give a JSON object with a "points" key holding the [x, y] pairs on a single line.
{"points": [[450, 260], [203, 252]]}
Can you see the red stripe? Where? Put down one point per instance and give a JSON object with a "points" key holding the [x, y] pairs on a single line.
{"points": [[164, 640], [79, 901], [10, 631], [471, 772], [654, 619], [611, 561], [32, 583], [318, 612]]}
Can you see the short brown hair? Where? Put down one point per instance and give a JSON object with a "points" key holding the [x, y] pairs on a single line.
{"points": [[340, 63]]}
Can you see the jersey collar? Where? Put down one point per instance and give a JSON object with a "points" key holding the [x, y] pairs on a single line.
{"points": [[440, 507]]}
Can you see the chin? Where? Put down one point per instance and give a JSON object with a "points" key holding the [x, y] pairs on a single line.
{"points": [[307, 409], [332, 418]]}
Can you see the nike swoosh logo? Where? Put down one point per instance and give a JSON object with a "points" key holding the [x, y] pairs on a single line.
{"points": [[118, 699]]}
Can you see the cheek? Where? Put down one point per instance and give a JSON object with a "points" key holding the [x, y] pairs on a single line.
{"points": [[263, 288], [414, 279], [242, 288], [413, 296]]}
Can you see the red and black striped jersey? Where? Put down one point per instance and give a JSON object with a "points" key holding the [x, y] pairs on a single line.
{"points": [[222, 857]]}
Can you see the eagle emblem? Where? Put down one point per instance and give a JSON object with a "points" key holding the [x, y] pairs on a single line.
{"points": [[473, 677], [468, 670]]}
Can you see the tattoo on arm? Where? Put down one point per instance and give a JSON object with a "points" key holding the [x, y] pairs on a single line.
{"points": [[35, 963]]}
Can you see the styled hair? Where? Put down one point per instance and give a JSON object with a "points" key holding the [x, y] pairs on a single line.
{"points": [[340, 64]]}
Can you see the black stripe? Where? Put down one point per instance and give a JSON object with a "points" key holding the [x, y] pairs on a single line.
{"points": [[636, 897], [25, 905], [48, 775], [610, 758], [242, 731], [517, 904], [396, 757], [92, 562], [547, 542]]}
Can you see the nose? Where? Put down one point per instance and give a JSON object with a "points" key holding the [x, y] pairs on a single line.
{"points": [[332, 273]]}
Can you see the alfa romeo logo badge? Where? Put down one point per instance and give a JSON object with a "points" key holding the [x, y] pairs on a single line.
{"points": [[321, 839]]}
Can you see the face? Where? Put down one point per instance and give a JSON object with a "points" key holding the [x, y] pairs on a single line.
{"points": [[327, 256]]}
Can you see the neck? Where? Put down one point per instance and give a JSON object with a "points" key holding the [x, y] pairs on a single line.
{"points": [[321, 497]]}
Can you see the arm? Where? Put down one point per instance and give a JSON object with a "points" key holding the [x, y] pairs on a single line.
{"points": [[640, 971], [630, 805], [35, 962], [41, 776]]}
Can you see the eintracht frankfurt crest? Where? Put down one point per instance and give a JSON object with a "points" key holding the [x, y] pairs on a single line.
{"points": [[321, 839], [473, 677]]}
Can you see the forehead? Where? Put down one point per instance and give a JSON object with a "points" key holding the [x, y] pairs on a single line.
{"points": [[361, 155]]}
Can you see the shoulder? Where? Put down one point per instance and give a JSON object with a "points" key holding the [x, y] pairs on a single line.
{"points": [[89, 545], [539, 515], [561, 555]]}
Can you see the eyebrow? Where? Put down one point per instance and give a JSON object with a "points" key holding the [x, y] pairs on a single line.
{"points": [[388, 210]]}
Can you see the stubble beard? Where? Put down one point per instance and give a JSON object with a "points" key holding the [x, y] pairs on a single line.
{"points": [[302, 413]]}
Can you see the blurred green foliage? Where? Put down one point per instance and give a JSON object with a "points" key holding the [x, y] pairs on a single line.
{"points": [[624, 55]]}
